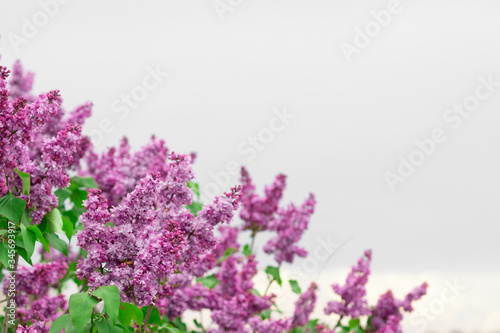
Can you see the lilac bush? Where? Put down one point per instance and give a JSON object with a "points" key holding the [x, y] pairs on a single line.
{"points": [[147, 251]]}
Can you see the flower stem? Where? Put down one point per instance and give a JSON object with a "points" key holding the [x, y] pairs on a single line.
{"points": [[146, 317]]}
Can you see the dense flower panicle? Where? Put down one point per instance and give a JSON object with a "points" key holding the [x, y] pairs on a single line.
{"points": [[305, 306], [34, 283], [392, 325], [387, 313], [258, 212], [36, 280], [289, 226], [353, 293], [414, 295], [35, 140], [228, 239], [237, 302], [146, 238], [59, 154], [118, 171], [270, 325], [20, 83], [200, 230]]}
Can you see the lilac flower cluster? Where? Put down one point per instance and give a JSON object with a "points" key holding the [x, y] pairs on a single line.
{"points": [[140, 243], [118, 171], [264, 213], [305, 306], [232, 301], [387, 314], [34, 139], [33, 300], [353, 293]]}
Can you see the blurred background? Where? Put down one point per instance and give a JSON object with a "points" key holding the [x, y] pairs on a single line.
{"points": [[386, 110]]}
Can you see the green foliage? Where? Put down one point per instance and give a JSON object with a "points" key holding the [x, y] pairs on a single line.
{"points": [[111, 297], [26, 181], [209, 281], [274, 272], [229, 251], [86, 182], [129, 312], [12, 207], [63, 321], [295, 286], [39, 237], [81, 306], [54, 221], [246, 250], [195, 187], [57, 243], [68, 227], [154, 317], [195, 207], [29, 239]]}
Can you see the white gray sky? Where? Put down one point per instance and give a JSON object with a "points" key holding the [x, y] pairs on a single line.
{"points": [[230, 71]]}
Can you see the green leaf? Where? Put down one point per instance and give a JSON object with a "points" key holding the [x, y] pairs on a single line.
{"points": [[102, 325], [61, 322], [311, 324], [22, 252], [26, 181], [275, 273], [25, 218], [12, 207], [29, 239], [195, 207], [179, 324], [154, 317], [246, 250], [40, 237], [111, 297], [266, 314], [209, 281], [57, 243], [295, 286], [195, 187], [68, 227], [4, 254], [62, 194], [78, 196], [172, 329], [229, 252], [256, 292], [81, 306], [197, 324], [129, 312], [87, 182], [54, 220], [353, 323]]}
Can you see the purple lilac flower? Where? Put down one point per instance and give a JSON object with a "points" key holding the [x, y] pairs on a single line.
{"points": [[35, 283], [150, 234], [258, 212], [387, 313], [35, 140], [305, 306], [20, 83], [353, 293], [270, 325], [119, 171], [289, 226]]}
